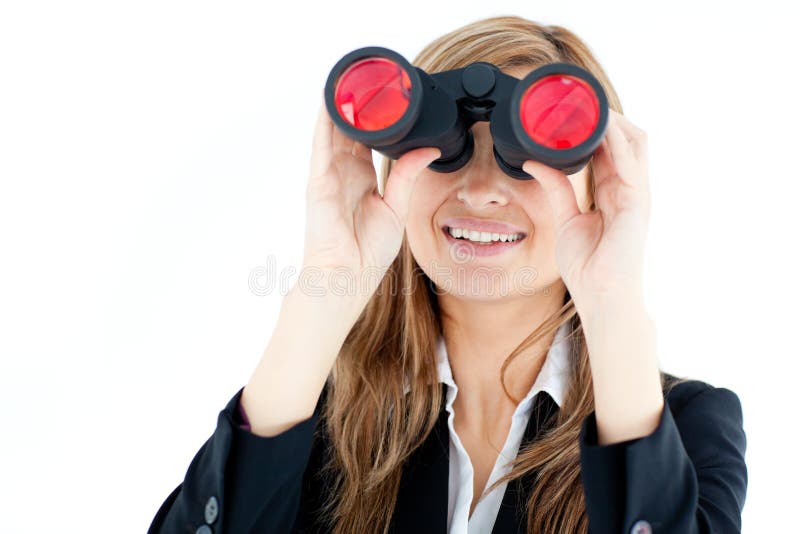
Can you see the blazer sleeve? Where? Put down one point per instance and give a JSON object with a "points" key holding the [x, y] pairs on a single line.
{"points": [[687, 477], [236, 477]]}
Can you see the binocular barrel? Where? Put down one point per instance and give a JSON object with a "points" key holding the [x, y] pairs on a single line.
{"points": [[557, 114]]}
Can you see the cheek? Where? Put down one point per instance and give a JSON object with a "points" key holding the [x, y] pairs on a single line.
{"points": [[416, 229], [536, 207], [538, 210], [420, 227]]}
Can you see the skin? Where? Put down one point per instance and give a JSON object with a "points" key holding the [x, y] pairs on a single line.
{"points": [[352, 229], [483, 324], [507, 312], [564, 242]]}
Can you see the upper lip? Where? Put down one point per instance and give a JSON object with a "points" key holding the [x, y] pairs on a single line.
{"points": [[482, 225]]}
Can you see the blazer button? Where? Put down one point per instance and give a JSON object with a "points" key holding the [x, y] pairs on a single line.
{"points": [[205, 529], [212, 510], [641, 527]]}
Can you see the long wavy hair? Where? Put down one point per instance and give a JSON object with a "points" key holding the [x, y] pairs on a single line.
{"points": [[373, 425]]}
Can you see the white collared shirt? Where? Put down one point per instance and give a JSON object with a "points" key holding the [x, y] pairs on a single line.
{"points": [[553, 378]]}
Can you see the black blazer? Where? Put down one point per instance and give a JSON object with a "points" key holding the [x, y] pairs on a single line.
{"points": [[689, 476]]}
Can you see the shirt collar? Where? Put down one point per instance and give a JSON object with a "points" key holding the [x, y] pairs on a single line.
{"points": [[554, 377]]}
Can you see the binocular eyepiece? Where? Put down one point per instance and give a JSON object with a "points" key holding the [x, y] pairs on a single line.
{"points": [[557, 114]]}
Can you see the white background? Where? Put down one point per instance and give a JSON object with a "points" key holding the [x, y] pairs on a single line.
{"points": [[153, 154]]}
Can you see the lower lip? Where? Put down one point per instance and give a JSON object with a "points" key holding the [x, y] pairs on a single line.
{"points": [[472, 249]]}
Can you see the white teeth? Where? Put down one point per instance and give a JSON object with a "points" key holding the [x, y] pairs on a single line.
{"points": [[482, 237]]}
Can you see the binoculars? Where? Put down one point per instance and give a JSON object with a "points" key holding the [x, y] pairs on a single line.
{"points": [[557, 114]]}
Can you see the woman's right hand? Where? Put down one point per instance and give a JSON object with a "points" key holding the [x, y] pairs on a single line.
{"points": [[350, 227]]}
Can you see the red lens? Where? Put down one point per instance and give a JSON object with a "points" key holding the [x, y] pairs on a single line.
{"points": [[559, 111], [373, 93]]}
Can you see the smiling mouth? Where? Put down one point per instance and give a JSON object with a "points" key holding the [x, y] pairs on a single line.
{"points": [[482, 238]]}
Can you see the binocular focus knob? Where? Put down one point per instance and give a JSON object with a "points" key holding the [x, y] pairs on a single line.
{"points": [[478, 80]]}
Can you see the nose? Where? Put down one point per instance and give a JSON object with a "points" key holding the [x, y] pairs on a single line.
{"points": [[482, 189], [481, 182]]}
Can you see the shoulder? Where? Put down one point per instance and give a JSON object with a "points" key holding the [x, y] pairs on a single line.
{"points": [[701, 409], [681, 392]]}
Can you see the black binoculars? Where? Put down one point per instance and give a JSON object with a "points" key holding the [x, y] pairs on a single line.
{"points": [[557, 114]]}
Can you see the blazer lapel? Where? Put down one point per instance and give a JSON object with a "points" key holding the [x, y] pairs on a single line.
{"points": [[512, 517], [422, 497]]}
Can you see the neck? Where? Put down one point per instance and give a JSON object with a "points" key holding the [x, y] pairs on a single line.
{"points": [[479, 336]]}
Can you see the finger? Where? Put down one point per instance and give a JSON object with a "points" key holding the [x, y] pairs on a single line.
{"points": [[604, 181], [341, 142], [602, 163], [619, 146], [360, 150], [557, 188], [629, 156], [322, 142], [633, 133], [400, 182], [635, 136]]}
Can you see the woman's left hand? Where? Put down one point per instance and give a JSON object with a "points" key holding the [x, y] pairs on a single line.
{"points": [[600, 253]]}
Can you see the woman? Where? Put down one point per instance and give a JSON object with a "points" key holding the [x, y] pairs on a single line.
{"points": [[423, 396]]}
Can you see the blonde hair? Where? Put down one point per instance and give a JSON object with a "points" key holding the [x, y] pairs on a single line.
{"points": [[372, 424]]}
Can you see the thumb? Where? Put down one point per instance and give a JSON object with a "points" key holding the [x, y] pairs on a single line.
{"points": [[402, 177], [557, 188]]}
